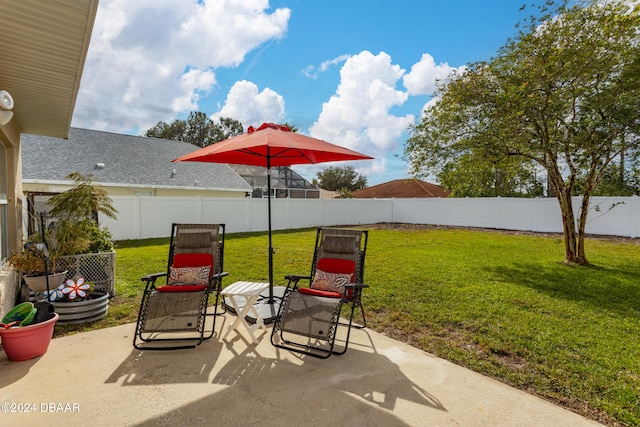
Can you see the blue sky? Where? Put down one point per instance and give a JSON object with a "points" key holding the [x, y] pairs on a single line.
{"points": [[354, 73]]}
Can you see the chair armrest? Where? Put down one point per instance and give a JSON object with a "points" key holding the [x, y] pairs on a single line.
{"points": [[153, 277], [294, 279], [215, 281], [150, 280], [356, 285], [357, 291], [220, 275]]}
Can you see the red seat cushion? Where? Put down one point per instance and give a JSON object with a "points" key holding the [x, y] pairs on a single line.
{"points": [[181, 288], [320, 293]]}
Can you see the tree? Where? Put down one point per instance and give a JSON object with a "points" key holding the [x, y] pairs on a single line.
{"points": [[227, 128], [563, 94], [339, 178], [614, 182], [76, 229], [292, 127], [175, 131], [621, 178], [82, 201], [468, 177], [198, 129]]}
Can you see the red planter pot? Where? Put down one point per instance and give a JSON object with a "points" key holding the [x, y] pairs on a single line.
{"points": [[27, 342]]}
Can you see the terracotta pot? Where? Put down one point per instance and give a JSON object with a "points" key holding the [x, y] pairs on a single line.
{"points": [[27, 342], [89, 310], [39, 283]]}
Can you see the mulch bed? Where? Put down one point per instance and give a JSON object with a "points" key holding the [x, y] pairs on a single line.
{"points": [[417, 227]]}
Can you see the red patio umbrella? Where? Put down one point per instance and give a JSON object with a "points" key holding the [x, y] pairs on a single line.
{"points": [[268, 146]]}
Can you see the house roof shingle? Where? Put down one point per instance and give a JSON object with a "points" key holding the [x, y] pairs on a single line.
{"points": [[402, 188], [128, 161]]}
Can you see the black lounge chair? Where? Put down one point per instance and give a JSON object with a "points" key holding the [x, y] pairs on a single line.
{"points": [[309, 316], [175, 308]]}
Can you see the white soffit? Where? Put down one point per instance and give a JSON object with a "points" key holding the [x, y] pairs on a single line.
{"points": [[43, 47]]}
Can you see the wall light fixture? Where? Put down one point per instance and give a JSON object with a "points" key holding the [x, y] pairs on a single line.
{"points": [[6, 105]]}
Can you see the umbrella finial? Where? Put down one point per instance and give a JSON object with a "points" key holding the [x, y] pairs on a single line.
{"points": [[264, 126]]}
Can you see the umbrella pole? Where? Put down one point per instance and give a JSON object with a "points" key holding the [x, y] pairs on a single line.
{"points": [[271, 301]]}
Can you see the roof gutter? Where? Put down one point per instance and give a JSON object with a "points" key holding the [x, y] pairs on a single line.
{"points": [[87, 41], [119, 185]]}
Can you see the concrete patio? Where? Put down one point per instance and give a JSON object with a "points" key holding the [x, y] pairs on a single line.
{"points": [[97, 378]]}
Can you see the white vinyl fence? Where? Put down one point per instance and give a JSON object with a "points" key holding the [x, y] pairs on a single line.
{"points": [[145, 217]]}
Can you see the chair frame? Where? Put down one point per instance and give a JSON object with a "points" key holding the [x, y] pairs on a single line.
{"points": [[142, 335], [352, 295]]}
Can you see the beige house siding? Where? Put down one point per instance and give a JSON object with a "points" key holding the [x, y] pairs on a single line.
{"points": [[133, 191], [202, 193], [10, 139], [44, 85]]}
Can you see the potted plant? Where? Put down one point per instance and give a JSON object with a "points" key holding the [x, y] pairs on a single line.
{"points": [[84, 248], [39, 266], [27, 336]]}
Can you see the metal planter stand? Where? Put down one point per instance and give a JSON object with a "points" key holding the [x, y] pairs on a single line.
{"points": [[90, 310]]}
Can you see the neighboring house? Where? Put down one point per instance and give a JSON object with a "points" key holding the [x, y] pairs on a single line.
{"points": [[327, 194], [141, 166], [285, 182], [402, 188], [43, 46], [124, 165]]}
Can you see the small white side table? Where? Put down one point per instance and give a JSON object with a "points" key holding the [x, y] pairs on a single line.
{"points": [[250, 291]]}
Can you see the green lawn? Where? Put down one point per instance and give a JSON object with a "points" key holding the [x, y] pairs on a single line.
{"points": [[501, 304]]}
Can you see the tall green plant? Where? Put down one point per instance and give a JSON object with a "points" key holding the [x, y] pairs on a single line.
{"points": [[82, 200], [77, 231]]}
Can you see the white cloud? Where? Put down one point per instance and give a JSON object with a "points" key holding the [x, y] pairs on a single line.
{"points": [[312, 71], [425, 74], [249, 106], [358, 115], [192, 82], [150, 60]]}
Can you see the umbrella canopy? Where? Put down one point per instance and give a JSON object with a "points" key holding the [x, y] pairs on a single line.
{"points": [[269, 146], [272, 145]]}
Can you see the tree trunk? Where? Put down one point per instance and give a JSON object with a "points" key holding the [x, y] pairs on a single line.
{"points": [[581, 257], [568, 225]]}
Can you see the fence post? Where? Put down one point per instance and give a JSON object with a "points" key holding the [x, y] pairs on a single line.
{"points": [[635, 211], [199, 208], [393, 210], [138, 217], [466, 216]]}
